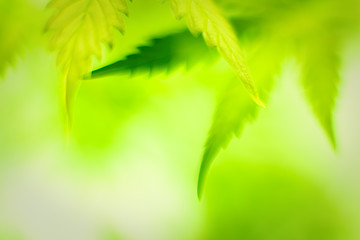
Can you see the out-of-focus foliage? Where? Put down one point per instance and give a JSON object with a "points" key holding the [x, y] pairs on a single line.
{"points": [[283, 206], [14, 31], [317, 29], [79, 30], [321, 78]]}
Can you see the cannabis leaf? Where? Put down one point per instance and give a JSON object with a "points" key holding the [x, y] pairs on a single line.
{"points": [[235, 109], [321, 78], [167, 53], [204, 17], [80, 27]]}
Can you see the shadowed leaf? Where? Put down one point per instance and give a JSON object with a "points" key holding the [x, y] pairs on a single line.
{"points": [[166, 53]]}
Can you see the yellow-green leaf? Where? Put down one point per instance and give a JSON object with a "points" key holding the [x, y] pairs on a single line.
{"points": [[79, 29], [204, 17]]}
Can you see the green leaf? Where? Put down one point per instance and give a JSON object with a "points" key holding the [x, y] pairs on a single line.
{"points": [[13, 30], [235, 109], [321, 78], [204, 17], [79, 29], [164, 53]]}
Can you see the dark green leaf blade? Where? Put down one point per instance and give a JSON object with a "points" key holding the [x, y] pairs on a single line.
{"points": [[167, 53]]}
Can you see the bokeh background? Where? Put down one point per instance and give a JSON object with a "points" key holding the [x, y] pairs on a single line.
{"points": [[129, 170]]}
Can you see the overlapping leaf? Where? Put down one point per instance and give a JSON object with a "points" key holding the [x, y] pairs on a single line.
{"points": [[204, 17], [80, 27]]}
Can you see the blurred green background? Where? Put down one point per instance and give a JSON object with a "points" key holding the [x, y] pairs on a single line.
{"points": [[129, 170]]}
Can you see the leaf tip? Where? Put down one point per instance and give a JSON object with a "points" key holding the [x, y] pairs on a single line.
{"points": [[331, 136], [199, 193], [207, 160], [258, 101], [200, 185]]}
